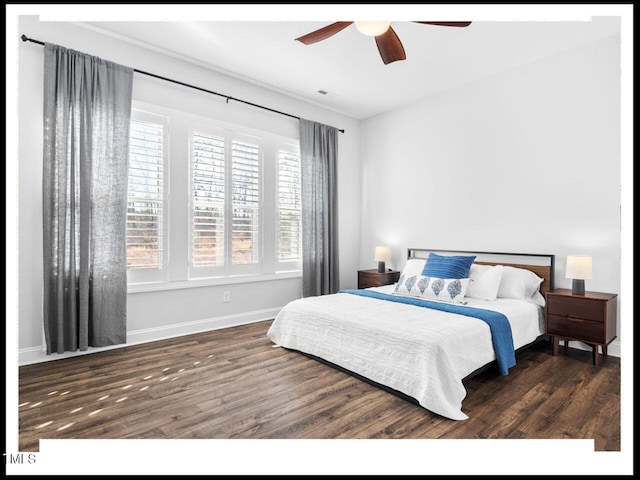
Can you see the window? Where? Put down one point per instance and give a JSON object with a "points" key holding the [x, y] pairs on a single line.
{"points": [[226, 203], [289, 210], [234, 203], [245, 179], [208, 197], [146, 197]]}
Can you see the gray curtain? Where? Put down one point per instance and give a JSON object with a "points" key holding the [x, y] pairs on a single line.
{"points": [[87, 110], [319, 153]]}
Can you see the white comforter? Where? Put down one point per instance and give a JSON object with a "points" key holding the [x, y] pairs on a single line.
{"points": [[421, 352]]}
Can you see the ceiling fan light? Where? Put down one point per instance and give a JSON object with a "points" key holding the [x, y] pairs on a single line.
{"points": [[373, 28]]}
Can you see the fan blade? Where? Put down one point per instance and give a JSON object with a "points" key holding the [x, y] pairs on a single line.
{"points": [[390, 47], [447, 24], [323, 33]]}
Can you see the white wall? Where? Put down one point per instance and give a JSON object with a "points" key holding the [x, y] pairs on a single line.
{"points": [[154, 315], [525, 161]]}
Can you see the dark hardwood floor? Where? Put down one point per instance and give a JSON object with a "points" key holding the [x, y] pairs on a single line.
{"points": [[233, 383]]}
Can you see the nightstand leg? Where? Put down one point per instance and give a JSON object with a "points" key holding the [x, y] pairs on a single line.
{"points": [[595, 355], [554, 348], [566, 346], [604, 352]]}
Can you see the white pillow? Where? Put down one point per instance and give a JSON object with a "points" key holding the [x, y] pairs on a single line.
{"points": [[414, 266], [518, 283], [450, 290], [484, 281]]}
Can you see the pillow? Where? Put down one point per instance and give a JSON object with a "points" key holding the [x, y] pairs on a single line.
{"points": [[414, 266], [484, 281], [450, 290], [518, 283], [452, 266]]}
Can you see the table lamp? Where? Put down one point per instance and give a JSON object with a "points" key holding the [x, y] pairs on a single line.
{"points": [[579, 268]]}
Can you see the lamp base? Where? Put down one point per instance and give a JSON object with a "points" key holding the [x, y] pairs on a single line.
{"points": [[577, 287], [380, 267]]}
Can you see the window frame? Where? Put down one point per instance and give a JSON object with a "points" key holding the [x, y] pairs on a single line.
{"points": [[178, 180], [228, 269]]}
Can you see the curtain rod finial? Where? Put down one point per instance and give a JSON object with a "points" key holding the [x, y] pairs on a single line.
{"points": [[24, 38]]}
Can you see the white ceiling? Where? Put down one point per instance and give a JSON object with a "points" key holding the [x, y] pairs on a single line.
{"points": [[348, 65]]}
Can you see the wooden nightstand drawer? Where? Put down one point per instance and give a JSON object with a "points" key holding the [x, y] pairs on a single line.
{"points": [[585, 308], [373, 278], [575, 327]]}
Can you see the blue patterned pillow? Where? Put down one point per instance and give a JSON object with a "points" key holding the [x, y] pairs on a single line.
{"points": [[445, 289], [452, 266]]}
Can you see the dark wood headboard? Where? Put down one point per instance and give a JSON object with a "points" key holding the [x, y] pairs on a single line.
{"points": [[539, 263]]}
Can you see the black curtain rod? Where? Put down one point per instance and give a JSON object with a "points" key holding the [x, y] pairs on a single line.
{"points": [[228, 97]]}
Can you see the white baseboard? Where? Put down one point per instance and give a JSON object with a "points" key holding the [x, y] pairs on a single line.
{"points": [[27, 356]]}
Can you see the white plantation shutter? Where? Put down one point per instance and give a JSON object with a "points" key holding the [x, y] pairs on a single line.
{"points": [[208, 190], [289, 227], [245, 203], [145, 203]]}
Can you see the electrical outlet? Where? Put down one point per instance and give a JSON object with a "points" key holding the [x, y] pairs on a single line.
{"points": [[226, 296]]}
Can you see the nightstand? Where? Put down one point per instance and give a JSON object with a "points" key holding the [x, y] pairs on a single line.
{"points": [[373, 278], [588, 318]]}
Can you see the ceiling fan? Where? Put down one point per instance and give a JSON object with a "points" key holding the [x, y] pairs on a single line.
{"points": [[389, 45]]}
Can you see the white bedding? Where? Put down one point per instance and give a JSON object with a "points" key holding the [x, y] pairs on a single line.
{"points": [[421, 352]]}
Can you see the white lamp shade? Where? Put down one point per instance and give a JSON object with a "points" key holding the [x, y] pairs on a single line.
{"points": [[579, 267], [372, 29], [383, 254]]}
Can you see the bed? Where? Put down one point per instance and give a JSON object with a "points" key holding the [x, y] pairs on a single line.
{"points": [[425, 335]]}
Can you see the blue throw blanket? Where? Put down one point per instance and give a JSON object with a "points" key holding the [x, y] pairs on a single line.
{"points": [[498, 323]]}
